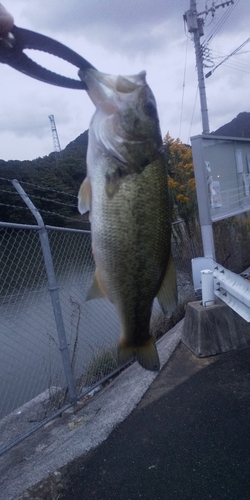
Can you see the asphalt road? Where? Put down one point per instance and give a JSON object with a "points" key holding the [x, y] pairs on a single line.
{"points": [[188, 439]]}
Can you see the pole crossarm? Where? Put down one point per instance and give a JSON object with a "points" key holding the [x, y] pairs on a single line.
{"points": [[214, 7]]}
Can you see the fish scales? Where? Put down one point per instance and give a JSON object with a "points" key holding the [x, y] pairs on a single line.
{"points": [[131, 230], [131, 242]]}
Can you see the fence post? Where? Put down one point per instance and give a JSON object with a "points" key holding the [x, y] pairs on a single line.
{"points": [[53, 289]]}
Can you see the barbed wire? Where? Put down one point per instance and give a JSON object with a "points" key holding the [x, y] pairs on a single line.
{"points": [[45, 213], [49, 212], [45, 188], [14, 206], [40, 198], [60, 215], [9, 192], [52, 201]]}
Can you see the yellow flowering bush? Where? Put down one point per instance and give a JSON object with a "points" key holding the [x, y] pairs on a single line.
{"points": [[181, 179]]}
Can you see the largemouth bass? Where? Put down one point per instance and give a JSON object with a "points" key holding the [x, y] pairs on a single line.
{"points": [[126, 192]]}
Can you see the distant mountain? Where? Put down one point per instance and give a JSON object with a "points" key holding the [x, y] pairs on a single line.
{"points": [[80, 144], [52, 183], [238, 127]]}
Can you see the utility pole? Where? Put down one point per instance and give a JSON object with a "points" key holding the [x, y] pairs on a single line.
{"points": [[195, 26]]}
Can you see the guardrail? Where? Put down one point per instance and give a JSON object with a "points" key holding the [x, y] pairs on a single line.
{"points": [[233, 290], [229, 287]]}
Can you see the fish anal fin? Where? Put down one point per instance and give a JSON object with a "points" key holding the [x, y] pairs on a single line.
{"points": [[167, 295], [96, 290], [84, 196], [146, 355]]}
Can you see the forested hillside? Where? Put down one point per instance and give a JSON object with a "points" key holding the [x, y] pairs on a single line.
{"points": [[52, 182], [238, 127]]}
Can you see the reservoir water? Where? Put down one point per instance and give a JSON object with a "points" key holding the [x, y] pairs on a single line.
{"points": [[30, 357]]}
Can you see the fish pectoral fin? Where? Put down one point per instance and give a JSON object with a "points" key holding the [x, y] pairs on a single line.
{"points": [[113, 181], [84, 196], [96, 290], [146, 355], [167, 295]]}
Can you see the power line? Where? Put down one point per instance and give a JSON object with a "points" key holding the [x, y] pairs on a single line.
{"points": [[237, 68], [195, 25], [238, 63], [227, 57]]}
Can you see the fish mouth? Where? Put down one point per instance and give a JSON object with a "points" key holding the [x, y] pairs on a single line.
{"points": [[102, 86]]}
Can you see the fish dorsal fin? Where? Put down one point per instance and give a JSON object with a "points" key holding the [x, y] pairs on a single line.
{"points": [[84, 196], [96, 290], [167, 295]]}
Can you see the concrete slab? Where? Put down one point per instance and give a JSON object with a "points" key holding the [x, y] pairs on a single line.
{"points": [[76, 432], [215, 329]]}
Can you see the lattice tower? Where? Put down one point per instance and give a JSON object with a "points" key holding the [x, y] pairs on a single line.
{"points": [[56, 143]]}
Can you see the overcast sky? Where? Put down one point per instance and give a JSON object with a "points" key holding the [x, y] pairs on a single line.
{"points": [[124, 37]]}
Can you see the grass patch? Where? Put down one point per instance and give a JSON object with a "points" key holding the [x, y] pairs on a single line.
{"points": [[102, 363]]}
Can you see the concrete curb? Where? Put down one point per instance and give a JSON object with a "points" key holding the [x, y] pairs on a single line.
{"points": [[77, 432]]}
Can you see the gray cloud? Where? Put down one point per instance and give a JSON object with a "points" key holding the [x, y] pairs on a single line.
{"points": [[134, 25], [119, 37], [123, 16], [127, 18]]}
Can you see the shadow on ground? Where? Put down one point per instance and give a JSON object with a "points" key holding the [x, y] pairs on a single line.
{"points": [[188, 439]]}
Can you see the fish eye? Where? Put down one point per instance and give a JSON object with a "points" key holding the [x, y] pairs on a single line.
{"points": [[149, 108]]}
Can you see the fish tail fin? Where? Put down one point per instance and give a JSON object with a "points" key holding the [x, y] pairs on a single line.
{"points": [[146, 355]]}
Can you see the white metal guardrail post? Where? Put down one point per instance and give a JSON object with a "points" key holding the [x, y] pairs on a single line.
{"points": [[207, 286], [227, 286]]}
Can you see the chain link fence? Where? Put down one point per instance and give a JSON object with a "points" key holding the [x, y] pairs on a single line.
{"points": [[55, 345], [31, 351]]}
